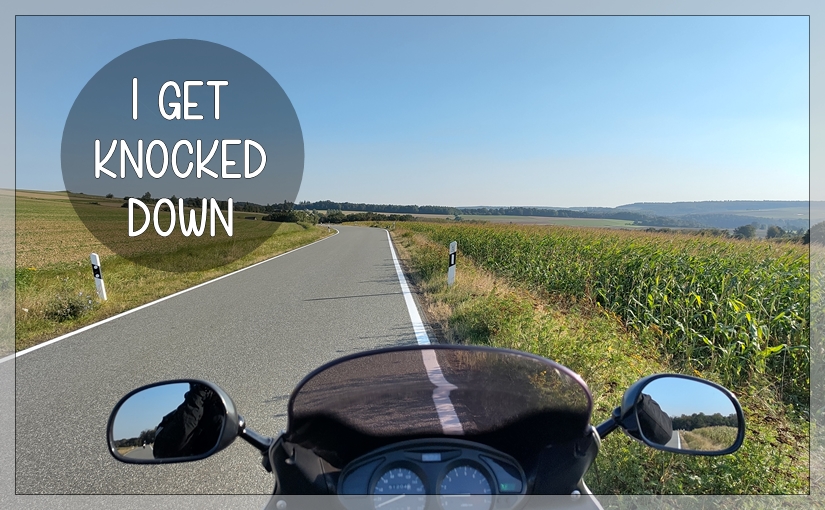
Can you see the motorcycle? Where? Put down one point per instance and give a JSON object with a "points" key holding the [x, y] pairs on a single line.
{"points": [[431, 427]]}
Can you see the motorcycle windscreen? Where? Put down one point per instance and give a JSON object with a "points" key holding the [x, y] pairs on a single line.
{"points": [[510, 400]]}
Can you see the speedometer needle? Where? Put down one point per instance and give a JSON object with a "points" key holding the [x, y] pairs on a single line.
{"points": [[387, 502]]}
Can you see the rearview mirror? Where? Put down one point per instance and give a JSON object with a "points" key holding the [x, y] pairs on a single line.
{"points": [[172, 421], [683, 414]]}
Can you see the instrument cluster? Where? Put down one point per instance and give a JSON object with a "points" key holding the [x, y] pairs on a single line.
{"points": [[445, 474]]}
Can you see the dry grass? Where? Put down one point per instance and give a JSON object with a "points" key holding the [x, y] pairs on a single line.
{"points": [[55, 290], [123, 450], [490, 309], [50, 232], [708, 438]]}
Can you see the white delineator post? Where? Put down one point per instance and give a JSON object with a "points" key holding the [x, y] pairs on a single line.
{"points": [[101, 289], [451, 270]]}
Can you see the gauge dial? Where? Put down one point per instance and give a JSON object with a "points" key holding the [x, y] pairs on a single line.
{"points": [[399, 489], [465, 487]]}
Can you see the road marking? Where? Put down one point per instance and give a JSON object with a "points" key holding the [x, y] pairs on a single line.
{"points": [[127, 312], [450, 423], [418, 325]]}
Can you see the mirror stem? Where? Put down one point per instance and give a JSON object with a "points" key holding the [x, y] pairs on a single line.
{"points": [[260, 442], [610, 424]]}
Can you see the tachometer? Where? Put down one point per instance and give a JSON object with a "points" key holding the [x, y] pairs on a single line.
{"points": [[465, 487], [399, 489]]}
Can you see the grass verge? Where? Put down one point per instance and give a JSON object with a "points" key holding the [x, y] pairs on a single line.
{"points": [[57, 298], [486, 309]]}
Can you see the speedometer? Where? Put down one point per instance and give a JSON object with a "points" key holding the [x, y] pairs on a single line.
{"points": [[465, 487], [399, 489]]}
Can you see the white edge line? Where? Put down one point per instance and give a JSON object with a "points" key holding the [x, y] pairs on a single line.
{"points": [[146, 305], [450, 422], [415, 317]]}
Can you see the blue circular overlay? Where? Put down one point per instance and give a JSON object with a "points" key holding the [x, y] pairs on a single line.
{"points": [[170, 127]]}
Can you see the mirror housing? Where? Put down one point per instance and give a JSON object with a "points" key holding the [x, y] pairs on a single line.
{"points": [[674, 412], [154, 403]]}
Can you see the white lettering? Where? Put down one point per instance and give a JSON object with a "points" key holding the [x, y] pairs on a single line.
{"points": [[187, 104], [152, 145], [175, 106], [261, 151], [134, 98], [164, 233], [132, 203], [99, 164], [214, 208], [202, 163], [175, 159], [228, 162], [136, 158], [217, 84], [124, 151], [193, 226]]}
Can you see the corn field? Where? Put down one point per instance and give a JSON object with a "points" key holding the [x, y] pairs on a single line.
{"points": [[736, 308]]}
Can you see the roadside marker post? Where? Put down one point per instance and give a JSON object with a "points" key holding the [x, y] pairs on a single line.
{"points": [[451, 270], [101, 289]]}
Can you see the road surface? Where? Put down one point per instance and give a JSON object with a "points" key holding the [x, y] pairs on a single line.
{"points": [[255, 333], [675, 440], [141, 453]]}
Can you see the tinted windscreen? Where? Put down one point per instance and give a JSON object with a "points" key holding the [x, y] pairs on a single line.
{"points": [[430, 391]]}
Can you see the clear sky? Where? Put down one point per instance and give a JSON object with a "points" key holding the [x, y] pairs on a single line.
{"points": [[544, 111], [678, 397], [145, 410]]}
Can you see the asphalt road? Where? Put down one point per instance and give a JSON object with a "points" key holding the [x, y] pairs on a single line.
{"points": [[675, 440], [141, 453], [255, 333]]}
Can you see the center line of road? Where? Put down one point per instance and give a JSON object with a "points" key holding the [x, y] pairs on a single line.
{"points": [[450, 423]]}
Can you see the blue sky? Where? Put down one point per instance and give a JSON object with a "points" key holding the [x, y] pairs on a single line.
{"points": [[144, 410], [677, 397], [547, 111]]}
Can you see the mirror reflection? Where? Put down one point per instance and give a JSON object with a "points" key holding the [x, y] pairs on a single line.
{"points": [[687, 414], [174, 420]]}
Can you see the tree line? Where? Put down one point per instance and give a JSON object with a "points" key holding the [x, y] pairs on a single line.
{"points": [[702, 420], [639, 218], [147, 436]]}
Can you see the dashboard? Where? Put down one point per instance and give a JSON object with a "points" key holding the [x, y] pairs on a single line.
{"points": [[433, 474]]}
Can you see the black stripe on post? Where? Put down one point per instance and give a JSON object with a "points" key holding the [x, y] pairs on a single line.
{"points": [[452, 259]]}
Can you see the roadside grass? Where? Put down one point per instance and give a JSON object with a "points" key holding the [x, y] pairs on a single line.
{"points": [[55, 290], [738, 309], [708, 438], [485, 309], [49, 232], [126, 449], [6, 272]]}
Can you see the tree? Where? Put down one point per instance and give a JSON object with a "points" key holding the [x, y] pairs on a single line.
{"points": [[146, 196], [817, 233], [774, 231], [110, 195], [745, 232]]}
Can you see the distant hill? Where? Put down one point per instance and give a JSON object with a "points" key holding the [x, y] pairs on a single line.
{"points": [[742, 207], [731, 213]]}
